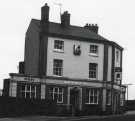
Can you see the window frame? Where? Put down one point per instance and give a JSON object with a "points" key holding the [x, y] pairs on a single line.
{"points": [[29, 91], [117, 56], [93, 49], [118, 80], [57, 71], [93, 73], [93, 96], [57, 93], [57, 46]]}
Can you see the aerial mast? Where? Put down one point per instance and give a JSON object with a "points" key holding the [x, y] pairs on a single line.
{"points": [[60, 7]]}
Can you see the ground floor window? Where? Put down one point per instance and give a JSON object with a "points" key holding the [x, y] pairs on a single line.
{"points": [[56, 93], [108, 97], [28, 91], [92, 96]]}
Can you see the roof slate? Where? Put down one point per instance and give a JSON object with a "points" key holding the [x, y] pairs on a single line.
{"points": [[57, 28], [73, 31]]}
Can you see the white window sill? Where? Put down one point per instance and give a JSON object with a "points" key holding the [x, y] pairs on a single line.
{"points": [[58, 51], [91, 103], [93, 54], [59, 102], [92, 79], [122, 105], [108, 104], [57, 76]]}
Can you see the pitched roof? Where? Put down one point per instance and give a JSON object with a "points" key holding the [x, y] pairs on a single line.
{"points": [[74, 31]]}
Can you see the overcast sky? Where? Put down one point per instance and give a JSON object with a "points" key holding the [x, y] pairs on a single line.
{"points": [[116, 20]]}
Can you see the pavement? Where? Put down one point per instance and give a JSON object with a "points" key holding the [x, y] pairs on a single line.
{"points": [[49, 118], [129, 116], [46, 118]]}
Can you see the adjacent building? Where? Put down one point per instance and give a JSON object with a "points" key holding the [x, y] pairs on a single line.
{"points": [[70, 64]]}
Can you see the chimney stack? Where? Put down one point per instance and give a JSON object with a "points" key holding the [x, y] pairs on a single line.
{"points": [[45, 13], [92, 27], [65, 19]]}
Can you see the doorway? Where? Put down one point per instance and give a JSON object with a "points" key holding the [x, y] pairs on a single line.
{"points": [[115, 108], [75, 100]]}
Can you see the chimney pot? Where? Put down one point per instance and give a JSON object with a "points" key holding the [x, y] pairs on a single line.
{"points": [[65, 19], [92, 27], [45, 13]]}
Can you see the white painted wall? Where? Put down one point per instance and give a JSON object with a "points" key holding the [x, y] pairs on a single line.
{"points": [[109, 63], [74, 66]]}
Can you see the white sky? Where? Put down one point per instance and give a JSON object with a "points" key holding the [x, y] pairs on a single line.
{"points": [[116, 20]]}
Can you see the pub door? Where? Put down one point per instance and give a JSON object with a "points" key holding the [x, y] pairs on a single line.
{"points": [[74, 100]]}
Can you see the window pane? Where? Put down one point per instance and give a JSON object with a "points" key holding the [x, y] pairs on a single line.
{"points": [[51, 95], [91, 92], [32, 94], [60, 98], [95, 92], [92, 70], [23, 88], [58, 44], [55, 96], [118, 75], [91, 99], [58, 67], [60, 90], [33, 88], [23, 94], [95, 100], [117, 56], [87, 95], [51, 92], [94, 49], [92, 96], [27, 94], [28, 87], [56, 90]]}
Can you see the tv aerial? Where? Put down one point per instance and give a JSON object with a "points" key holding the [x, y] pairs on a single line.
{"points": [[60, 6]]}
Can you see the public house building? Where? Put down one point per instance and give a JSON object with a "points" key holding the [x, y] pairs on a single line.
{"points": [[72, 65]]}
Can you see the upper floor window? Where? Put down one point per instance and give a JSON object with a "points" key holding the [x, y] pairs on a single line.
{"points": [[59, 45], [56, 93], [117, 56], [93, 70], [92, 96], [58, 67], [94, 49], [118, 77]]}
